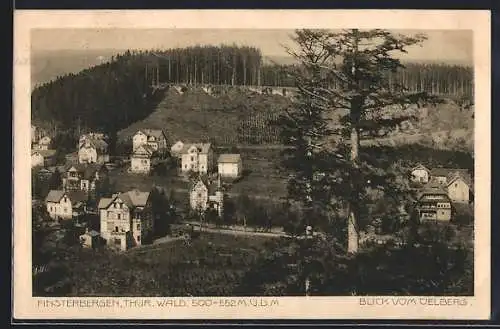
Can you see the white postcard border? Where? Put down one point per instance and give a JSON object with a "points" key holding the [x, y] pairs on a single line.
{"points": [[27, 307]]}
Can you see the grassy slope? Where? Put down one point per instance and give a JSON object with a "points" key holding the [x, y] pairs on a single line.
{"points": [[196, 115], [211, 266]]}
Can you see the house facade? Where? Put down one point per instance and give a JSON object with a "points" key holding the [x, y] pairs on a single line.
{"points": [[154, 138], [205, 194], [176, 149], [197, 157], [37, 159], [65, 205], [230, 165], [90, 239], [140, 160], [459, 189], [43, 143], [420, 174], [80, 177], [126, 219], [434, 204], [41, 158], [93, 149]]}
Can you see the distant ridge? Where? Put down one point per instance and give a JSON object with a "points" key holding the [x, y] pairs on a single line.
{"points": [[49, 64]]}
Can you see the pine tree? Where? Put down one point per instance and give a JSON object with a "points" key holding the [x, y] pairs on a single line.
{"points": [[329, 168]]}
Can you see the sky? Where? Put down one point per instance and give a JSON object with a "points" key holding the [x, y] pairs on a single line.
{"points": [[442, 45]]}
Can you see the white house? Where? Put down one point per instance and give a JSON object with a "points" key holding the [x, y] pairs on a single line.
{"points": [[197, 157], [43, 143], [176, 149], [206, 194], [37, 159], [93, 149], [65, 205], [83, 177], [230, 165], [40, 158], [126, 219], [420, 174], [434, 204], [140, 160], [460, 189], [154, 138]]}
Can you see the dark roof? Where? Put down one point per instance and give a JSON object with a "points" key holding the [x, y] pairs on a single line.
{"points": [[157, 133], [203, 148], [104, 202], [148, 149], [229, 158], [77, 196], [132, 199], [54, 196], [44, 153], [434, 191], [446, 172], [420, 166], [87, 170], [92, 233]]}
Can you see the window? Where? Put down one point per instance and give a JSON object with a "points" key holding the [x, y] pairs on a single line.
{"points": [[138, 227], [185, 166], [119, 216], [116, 228], [199, 195], [118, 241], [109, 213], [192, 158], [65, 210], [456, 184]]}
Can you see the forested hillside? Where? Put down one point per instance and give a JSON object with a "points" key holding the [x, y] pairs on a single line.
{"points": [[115, 95]]}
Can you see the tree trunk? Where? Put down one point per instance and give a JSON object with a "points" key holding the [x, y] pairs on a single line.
{"points": [[244, 71], [355, 115], [352, 226]]}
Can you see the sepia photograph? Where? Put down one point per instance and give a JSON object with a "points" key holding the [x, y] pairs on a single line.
{"points": [[242, 165]]}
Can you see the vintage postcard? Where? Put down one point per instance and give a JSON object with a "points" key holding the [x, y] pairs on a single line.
{"points": [[251, 164]]}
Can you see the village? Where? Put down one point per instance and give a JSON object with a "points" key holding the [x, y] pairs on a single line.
{"points": [[125, 218]]}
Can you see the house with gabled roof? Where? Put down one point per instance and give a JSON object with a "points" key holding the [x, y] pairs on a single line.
{"points": [[156, 139], [65, 205], [141, 158], [93, 149], [457, 182], [205, 193], [443, 175], [83, 177], [230, 165], [434, 204], [176, 149], [43, 143], [90, 239], [126, 219], [460, 188], [197, 157], [420, 174], [41, 158]]}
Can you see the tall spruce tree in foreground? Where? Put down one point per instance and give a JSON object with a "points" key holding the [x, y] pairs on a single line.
{"points": [[344, 91]]}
